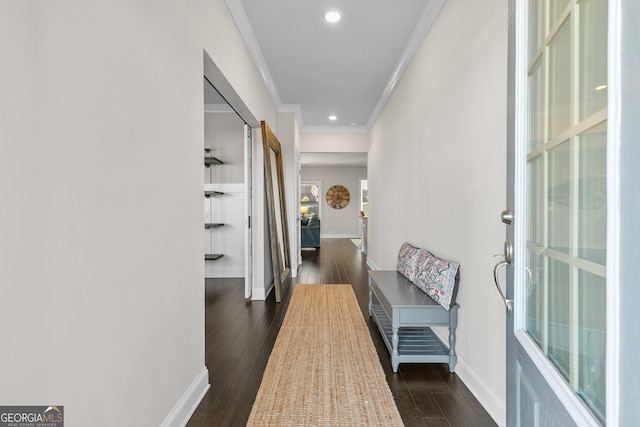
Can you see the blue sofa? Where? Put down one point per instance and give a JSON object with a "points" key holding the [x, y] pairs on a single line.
{"points": [[310, 232]]}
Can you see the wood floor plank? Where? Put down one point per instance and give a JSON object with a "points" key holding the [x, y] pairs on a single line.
{"points": [[240, 334], [461, 409], [436, 422]]}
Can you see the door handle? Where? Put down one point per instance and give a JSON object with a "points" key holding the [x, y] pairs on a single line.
{"points": [[508, 253], [506, 216]]}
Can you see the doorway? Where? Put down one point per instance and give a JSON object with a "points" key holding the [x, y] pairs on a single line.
{"points": [[227, 191], [310, 214]]}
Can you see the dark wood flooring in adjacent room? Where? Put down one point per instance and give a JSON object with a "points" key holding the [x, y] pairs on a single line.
{"points": [[240, 335]]}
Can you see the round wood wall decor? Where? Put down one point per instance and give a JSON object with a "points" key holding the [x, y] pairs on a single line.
{"points": [[338, 197]]}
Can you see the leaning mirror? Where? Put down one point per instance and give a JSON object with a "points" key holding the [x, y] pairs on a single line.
{"points": [[276, 211]]}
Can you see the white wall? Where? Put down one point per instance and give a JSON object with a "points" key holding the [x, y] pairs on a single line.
{"points": [[343, 222], [437, 167], [224, 134], [338, 142], [102, 268]]}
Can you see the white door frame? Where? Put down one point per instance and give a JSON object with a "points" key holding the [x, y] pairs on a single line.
{"points": [[297, 238], [248, 177], [623, 190]]}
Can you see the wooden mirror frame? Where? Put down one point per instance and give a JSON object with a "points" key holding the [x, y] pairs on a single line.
{"points": [[280, 258]]}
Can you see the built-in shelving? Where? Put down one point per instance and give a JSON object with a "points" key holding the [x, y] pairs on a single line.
{"points": [[213, 225], [209, 160]]}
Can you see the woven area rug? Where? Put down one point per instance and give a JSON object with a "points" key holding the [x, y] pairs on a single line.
{"points": [[324, 370]]}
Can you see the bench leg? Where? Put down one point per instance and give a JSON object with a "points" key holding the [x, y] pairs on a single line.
{"points": [[395, 356], [453, 359]]}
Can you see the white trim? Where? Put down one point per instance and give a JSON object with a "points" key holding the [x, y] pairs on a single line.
{"points": [[293, 108], [418, 34], [261, 294], [371, 263], [248, 208], [420, 30], [496, 407], [226, 273], [519, 202], [258, 295], [334, 129], [567, 397], [246, 31], [182, 411], [613, 214], [340, 236]]}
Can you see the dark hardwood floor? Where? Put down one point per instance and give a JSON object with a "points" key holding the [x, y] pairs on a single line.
{"points": [[240, 335]]}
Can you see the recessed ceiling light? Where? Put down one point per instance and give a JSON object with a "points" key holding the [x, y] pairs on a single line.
{"points": [[332, 117], [332, 16]]}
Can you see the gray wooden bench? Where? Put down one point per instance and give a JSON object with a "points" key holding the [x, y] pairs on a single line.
{"points": [[404, 315]]}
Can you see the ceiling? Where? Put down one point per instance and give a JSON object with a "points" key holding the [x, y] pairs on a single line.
{"points": [[347, 69], [318, 69]]}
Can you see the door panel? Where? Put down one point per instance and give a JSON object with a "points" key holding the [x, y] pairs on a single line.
{"points": [[556, 338], [538, 407]]}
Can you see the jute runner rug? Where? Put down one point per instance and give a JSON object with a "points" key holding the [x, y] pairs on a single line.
{"points": [[324, 370]]}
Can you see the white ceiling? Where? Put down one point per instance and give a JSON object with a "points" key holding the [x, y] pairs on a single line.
{"points": [[317, 69], [347, 69]]}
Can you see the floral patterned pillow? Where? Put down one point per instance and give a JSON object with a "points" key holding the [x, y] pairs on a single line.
{"points": [[421, 260], [407, 260], [437, 278]]}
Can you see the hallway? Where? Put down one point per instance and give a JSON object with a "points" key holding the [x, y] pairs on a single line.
{"points": [[240, 335]]}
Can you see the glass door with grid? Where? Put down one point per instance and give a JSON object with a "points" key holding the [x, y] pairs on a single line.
{"points": [[557, 333]]}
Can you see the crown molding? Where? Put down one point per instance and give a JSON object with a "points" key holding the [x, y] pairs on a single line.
{"points": [[421, 29], [293, 108], [418, 34], [334, 129], [239, 15]]}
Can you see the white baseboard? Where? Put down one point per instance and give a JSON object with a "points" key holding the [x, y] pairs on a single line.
{"points": [[261, 294], [489, 401], [270, 286], [340, 236], [258, 294], [496, 408], [224, 273], [372, 265], [182, 411]]}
